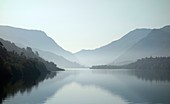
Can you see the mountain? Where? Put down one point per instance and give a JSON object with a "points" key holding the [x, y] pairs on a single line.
{"points": [[59, 60], [136, 44], [19, 56], [35, 39], [14, 67], [39, 41], [156, 44], [110, 52]]}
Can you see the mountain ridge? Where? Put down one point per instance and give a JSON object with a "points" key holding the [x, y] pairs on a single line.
{"points": [[156, 44], [59, 60], [35, 39], [138, 43], [109, 52]]}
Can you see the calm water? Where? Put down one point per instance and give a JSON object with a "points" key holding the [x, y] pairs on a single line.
{"points": [[98, 87]]}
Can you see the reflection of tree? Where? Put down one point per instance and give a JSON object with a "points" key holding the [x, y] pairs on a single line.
{"points": [[148, 75], [11, 87], [152, 75], [136, 86], [51, 75], [21, 71]]}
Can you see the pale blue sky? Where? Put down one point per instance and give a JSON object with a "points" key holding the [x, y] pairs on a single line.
{"points": [[85, 24]]}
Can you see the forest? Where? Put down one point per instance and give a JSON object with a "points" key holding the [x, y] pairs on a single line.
{"points": [[21, 72], [14, 66], [155, 63]]}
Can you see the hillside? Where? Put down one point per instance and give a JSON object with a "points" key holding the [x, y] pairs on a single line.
{"points": [[108, 53], [14, 66], [134, 45], [59, 60], [29, 54], [156, 44], [35, 39]]}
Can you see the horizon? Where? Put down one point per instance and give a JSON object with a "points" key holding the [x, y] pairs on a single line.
{"points": [[75, 25]]}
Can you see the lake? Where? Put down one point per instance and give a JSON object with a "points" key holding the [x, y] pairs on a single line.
{"points": [[117, 86]]}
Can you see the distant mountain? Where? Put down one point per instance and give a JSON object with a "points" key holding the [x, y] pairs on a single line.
{"points": [[59, 60], [157, 63], [35, 39], [156, 44], [136, 44], [112, 51]]}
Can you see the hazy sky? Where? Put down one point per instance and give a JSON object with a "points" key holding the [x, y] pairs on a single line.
{"points": [[85, 24]]}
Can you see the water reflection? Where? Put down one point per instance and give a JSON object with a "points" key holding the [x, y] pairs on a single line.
{"points": [[152, 75], [88, 95], [10, 89], [97, 87]]}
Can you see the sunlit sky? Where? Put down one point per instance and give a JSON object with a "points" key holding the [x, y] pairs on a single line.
{"points": [[85, 24]]}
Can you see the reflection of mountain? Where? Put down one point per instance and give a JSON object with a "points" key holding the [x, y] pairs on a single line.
{"points": [[39, 40], [21, 69], [129, 84], [11, 88], [152, 75], [126, 84], [131, 88], [38, 90]]}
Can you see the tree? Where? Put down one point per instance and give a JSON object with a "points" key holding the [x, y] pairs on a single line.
{"points": [[36, 53], [1, 44]]}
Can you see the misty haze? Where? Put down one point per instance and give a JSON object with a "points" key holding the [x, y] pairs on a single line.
{"points": [[84, 52]]}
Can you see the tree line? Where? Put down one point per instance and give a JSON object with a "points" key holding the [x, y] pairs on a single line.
{"points": [[14, 66], [160, 63]]}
